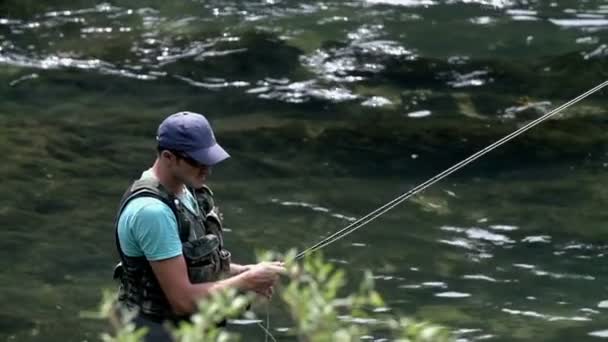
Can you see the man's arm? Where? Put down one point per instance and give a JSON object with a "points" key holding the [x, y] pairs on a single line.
{"points": [[236, 269], [172, 274], [154, 229]]}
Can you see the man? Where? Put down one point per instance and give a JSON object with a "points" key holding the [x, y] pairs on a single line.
{"points": [[169, 235]]}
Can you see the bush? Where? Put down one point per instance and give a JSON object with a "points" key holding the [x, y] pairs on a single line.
{"points": [[312, 296]]}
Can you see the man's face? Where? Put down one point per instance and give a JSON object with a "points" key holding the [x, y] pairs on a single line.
{"points": [[188, 171]]}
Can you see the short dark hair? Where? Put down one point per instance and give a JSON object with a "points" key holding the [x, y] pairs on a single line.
{"points": [[160, 149]]}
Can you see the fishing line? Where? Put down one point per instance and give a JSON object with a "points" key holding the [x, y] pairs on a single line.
{"points": [[266, 328], [361, 222]]}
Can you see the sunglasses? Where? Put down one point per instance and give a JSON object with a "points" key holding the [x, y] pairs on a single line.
{"points": [[187, 159]]}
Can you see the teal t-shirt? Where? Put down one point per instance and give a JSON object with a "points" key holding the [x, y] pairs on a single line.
{"points": [[147, 227]]}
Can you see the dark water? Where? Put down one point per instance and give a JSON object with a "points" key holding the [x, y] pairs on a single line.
{"points": [[329, 109]]}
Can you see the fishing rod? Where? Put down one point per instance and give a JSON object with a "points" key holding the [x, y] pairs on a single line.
{"points": [[361, 222]]}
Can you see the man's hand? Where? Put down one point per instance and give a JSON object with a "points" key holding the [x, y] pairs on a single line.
{"points": [[269, 292], [261, 277]]}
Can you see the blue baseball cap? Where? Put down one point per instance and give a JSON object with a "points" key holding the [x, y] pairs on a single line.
{"points": [[191, 134]]}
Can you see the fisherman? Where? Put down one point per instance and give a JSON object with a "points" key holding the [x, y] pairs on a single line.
{"points": [[169, 234]]}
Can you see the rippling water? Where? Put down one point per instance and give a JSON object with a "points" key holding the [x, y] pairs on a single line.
{"points": [[329, 109]]}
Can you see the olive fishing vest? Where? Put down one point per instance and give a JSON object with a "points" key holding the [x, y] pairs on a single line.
{"points": [[202, 246]]}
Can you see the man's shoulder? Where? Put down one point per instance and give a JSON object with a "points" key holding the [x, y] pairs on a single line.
{"points": [[146, 206]]}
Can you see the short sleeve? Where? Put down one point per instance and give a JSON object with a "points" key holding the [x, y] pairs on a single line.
{"points": [[155, 231]]}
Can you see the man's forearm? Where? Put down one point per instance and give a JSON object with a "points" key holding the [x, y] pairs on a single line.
{"points": [[200, 291], [236, 269], [184, 295]]}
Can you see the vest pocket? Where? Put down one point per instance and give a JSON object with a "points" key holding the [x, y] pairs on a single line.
{"points": [[202, 258], [198, 250], [202, 274]]}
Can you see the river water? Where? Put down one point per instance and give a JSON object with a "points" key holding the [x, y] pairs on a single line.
{"points": [[329, 109]]}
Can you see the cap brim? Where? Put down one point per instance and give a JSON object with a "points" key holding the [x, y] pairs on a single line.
{"points": [[209, 156]]}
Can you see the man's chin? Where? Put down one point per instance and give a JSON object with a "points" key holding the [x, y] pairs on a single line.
{"points": [[199, 182], [195, 183]]}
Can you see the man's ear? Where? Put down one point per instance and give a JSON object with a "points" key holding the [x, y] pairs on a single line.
{"points": [[166, 154]]}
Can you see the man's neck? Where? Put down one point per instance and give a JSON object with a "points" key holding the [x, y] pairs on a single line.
{"points": [[169, 182]]}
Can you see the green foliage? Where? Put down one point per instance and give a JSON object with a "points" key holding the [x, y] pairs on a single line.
{"points": [[315, 300], [213, 310], [123, 330]]}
